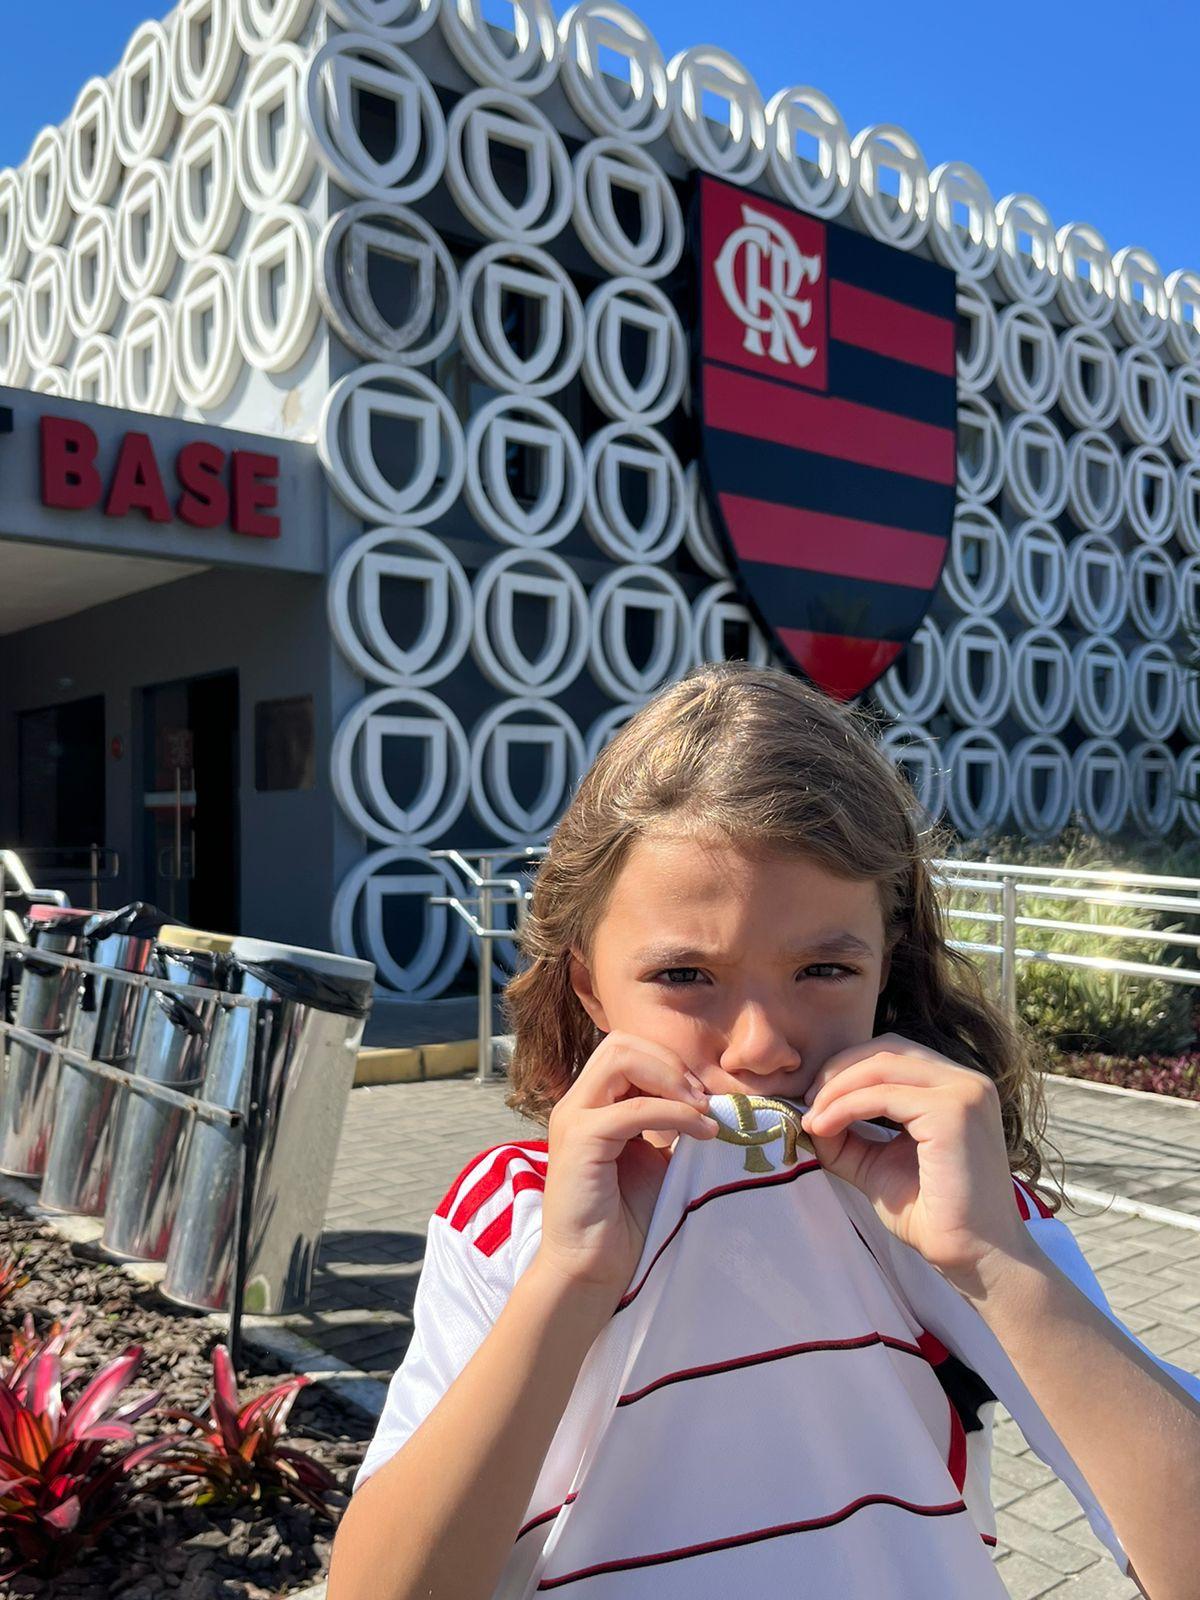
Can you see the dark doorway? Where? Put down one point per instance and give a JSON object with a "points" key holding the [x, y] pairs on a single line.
{"points": [[60, 790], [190, 753]]}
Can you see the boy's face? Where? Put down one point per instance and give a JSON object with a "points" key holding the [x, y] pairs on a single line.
{"points": [[739, 983]]}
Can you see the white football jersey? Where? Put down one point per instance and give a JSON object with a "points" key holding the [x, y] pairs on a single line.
{"points": [[848, 1401]]}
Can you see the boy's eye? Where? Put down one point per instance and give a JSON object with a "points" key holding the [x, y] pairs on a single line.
{"points": [[834, 973]]}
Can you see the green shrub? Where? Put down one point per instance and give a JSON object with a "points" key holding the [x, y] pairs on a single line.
{"points": [[1078, 1008]]}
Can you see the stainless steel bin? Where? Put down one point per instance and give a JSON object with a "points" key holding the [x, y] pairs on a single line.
{"points": [[104, 1028], [45, 1004], [151, 1141], [316, 1005]]}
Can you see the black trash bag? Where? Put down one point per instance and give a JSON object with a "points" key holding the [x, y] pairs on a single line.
{"points": [[346, 997], [137, 920]]}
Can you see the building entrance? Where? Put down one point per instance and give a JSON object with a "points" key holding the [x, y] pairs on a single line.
{"points": [[190, 800]]}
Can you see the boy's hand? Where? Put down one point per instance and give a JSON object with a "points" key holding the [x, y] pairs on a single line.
{"points": [[943, 1185]]}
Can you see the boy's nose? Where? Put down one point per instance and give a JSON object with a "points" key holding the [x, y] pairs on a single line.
{"points": [[757, 1045]]}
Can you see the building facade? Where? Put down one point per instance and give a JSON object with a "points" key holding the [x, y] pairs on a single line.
{"points": [[396, 402]]}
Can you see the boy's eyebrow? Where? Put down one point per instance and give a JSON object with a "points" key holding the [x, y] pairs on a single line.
{"points": [[842, 943]]}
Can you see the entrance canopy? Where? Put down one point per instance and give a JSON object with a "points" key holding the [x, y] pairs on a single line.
{"points": [[98, 502], [38, 583]]}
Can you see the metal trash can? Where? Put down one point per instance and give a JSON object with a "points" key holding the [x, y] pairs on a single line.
{"points": [[104, 1027], [151, 1138], [45, 1004], [316, 1007]]}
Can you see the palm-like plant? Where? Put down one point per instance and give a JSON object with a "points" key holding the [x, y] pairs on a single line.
{"points": [[25, 1344], [235, 1451], [62, 1483]]}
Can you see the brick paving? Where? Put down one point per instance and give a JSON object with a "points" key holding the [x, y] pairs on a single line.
{"points": [[402, 1144]]}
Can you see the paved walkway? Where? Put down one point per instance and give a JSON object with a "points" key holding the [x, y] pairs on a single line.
{"points": [[403, 1144]]}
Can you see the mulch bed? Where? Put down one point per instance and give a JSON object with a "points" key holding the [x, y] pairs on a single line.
{"points": [[1176, 1076], [164, 1546]]}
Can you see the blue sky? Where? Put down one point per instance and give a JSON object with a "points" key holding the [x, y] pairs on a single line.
{"points": [[1082, 104]]}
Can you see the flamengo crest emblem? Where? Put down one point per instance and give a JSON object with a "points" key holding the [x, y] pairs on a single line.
{"points": [[827, 396]]}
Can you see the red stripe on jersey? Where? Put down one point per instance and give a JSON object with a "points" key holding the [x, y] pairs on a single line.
{"points": [[446, 1204], [545, 1516], [480, 1192], [957, 1462], [933, 1349], [754, 1536], [862, 1341], [500, 1227], [1029, 1203]]}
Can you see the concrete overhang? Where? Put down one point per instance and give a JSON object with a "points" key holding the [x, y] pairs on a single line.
{"points": [[298, 485]]}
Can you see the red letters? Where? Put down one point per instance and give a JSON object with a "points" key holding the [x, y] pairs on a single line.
{"points": [[68, 462], [71, 480], [254, 485], [204, 502], [136, 485]]}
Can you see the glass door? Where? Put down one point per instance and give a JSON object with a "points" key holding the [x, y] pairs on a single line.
{"points": [[190, 800]]}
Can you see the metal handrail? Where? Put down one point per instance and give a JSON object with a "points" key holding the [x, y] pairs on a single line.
{"points": [[1011, 880], [1096, 874], [104, 864], [486, 901]]}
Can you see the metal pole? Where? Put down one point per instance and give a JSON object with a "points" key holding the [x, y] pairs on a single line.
{"points": [[484, 1071], [1008, 957], [259, 1047], [95, 855]]}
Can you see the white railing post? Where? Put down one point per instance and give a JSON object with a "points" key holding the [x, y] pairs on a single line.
{"points": [[1008, 958]]}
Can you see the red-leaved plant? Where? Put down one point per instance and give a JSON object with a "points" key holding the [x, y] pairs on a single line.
{"points": [[65, 1469], [11, 1278], [235, 1451], [25, 1344]]}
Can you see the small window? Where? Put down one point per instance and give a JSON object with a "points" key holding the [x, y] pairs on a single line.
{"points": [[285, 744]]}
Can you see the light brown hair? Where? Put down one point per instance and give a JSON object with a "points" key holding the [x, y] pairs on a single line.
{"points": [[776, 766]]}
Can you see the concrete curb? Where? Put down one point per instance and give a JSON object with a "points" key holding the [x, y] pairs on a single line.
{"points": [[1117, 1088], [1132, 1208], [351, 1385], [422, 1062]]}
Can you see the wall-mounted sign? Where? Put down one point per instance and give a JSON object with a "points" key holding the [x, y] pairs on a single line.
{"points": [[205, 486], [828, 395]]}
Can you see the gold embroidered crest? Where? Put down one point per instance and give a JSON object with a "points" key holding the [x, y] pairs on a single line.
{"points": [[747, 1132]]}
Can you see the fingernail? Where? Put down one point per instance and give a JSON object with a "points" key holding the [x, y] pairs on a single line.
{"points": [[697, 1088]]}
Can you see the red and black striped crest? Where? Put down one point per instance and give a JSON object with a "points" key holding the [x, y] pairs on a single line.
{"points": [[827, 398]]}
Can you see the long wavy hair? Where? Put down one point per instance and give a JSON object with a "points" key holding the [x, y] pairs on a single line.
{"points": [[775, 766]]}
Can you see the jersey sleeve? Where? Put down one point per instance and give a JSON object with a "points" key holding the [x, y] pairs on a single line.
{"points": [[1058, 1242], [457, 1302]]}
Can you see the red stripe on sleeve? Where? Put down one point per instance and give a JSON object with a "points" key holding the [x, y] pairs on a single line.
{"points": [[446, 1204], [873, 322], [490, 1184], [499, 1228], [1029, 1203]]}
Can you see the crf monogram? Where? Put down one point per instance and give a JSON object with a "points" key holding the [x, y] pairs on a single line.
{"points": [[749, 1134], [763, 290]]}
